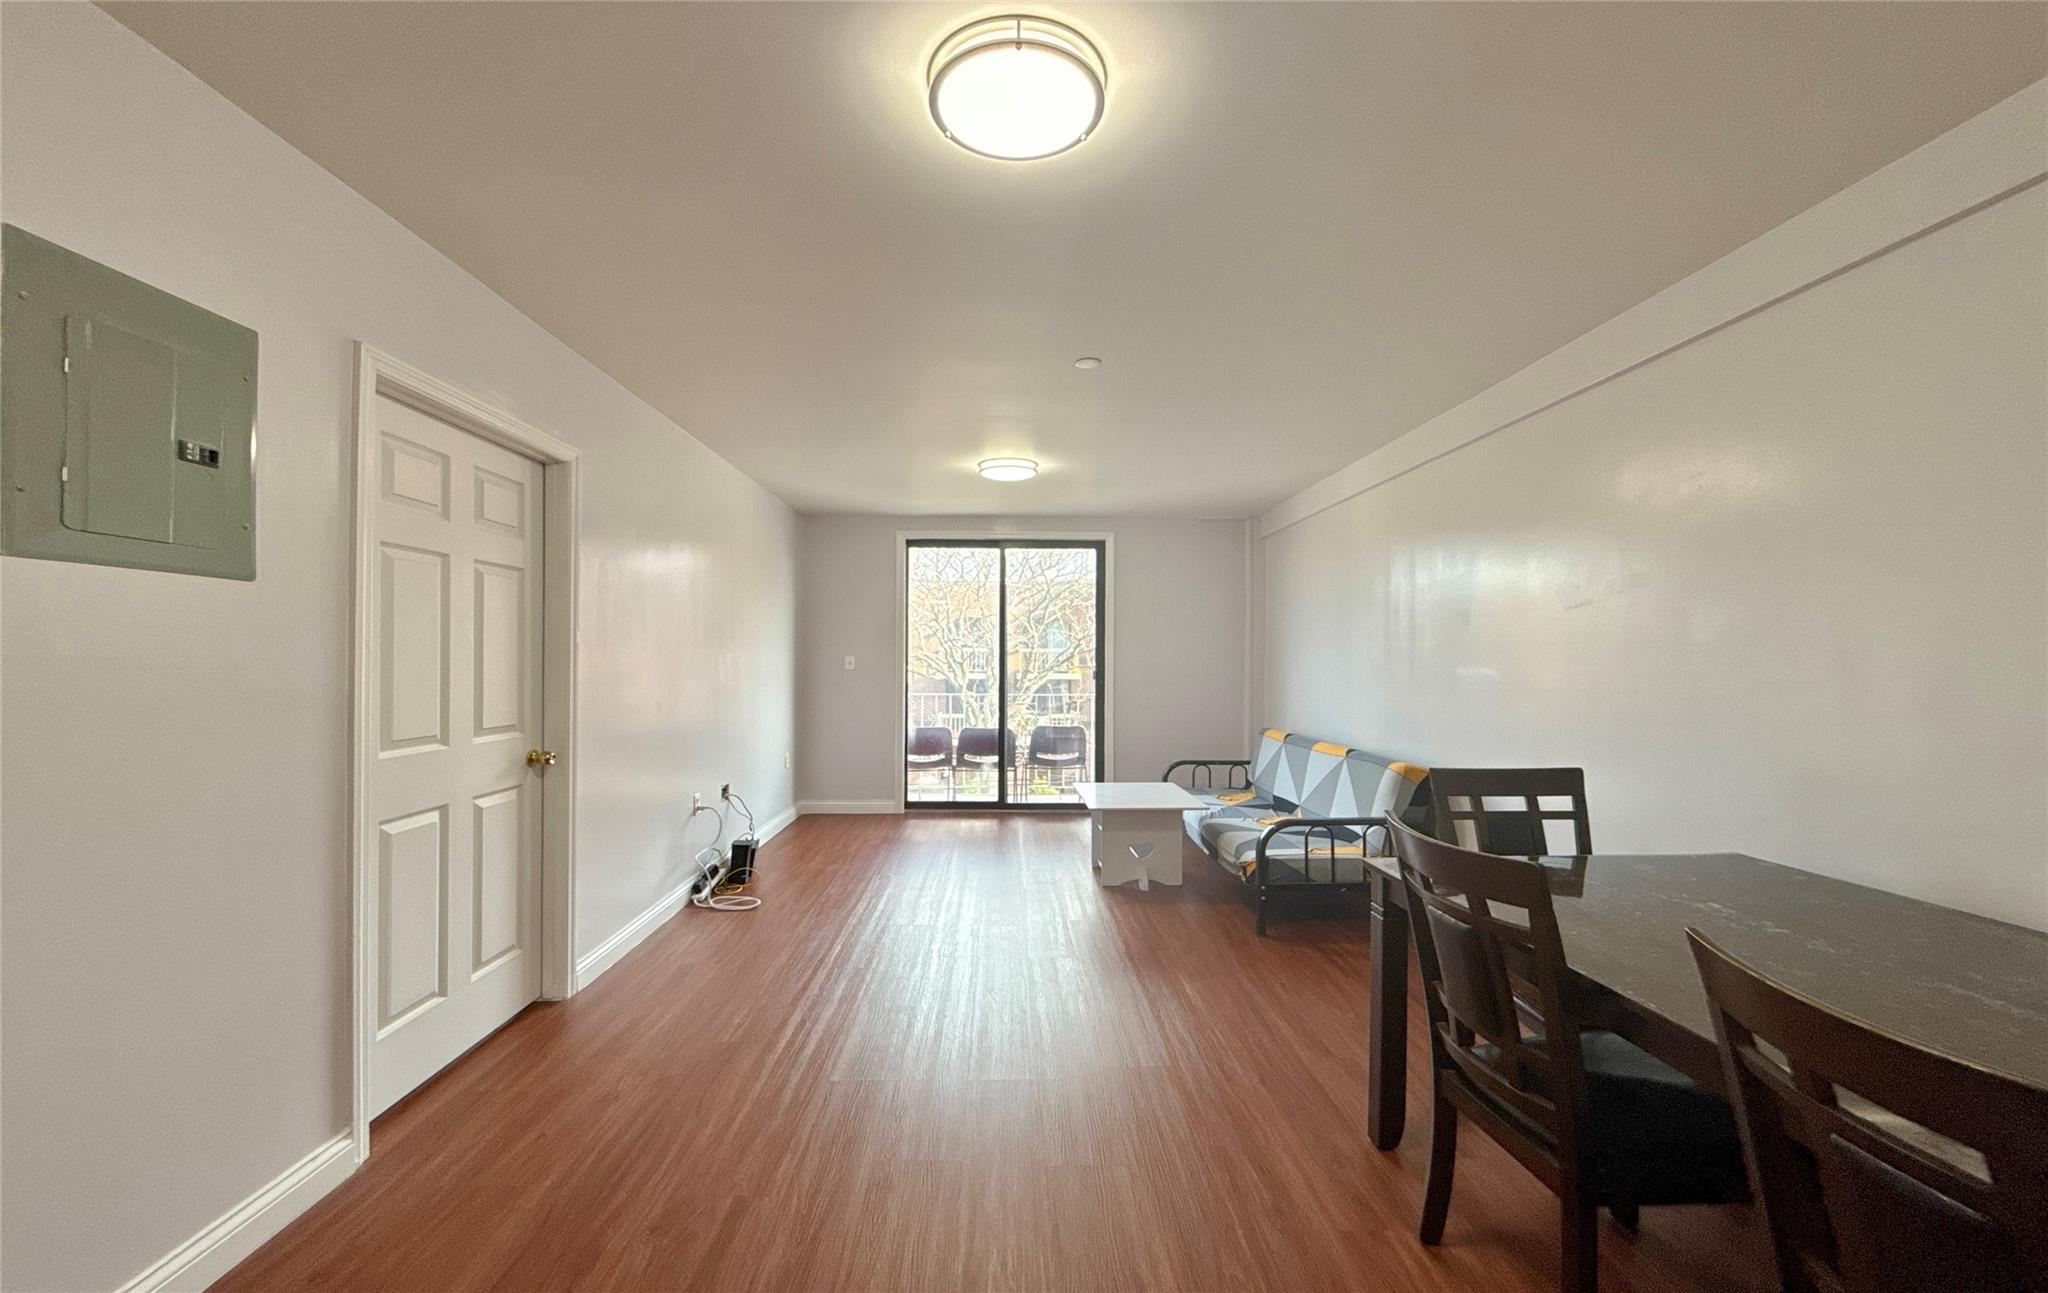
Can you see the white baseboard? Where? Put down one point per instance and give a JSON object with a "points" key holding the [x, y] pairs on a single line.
{"points": [[810, 806], [606, 954], [777, 824], [214, 1251]]}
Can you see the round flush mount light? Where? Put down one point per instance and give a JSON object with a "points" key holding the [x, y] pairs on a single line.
{"points": [[1088, 363], [1016, 87], [1007, 469]]}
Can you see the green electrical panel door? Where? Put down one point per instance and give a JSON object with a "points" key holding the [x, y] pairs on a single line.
{"points": [[126, 420]]}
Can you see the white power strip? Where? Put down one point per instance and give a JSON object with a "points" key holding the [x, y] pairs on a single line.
{"points": [[711, 864]]}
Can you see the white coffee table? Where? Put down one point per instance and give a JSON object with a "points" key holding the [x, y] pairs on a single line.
{"points": [[1136, 829]]}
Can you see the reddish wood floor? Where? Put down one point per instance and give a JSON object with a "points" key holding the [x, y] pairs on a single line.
{"points": [[940, 1057]]}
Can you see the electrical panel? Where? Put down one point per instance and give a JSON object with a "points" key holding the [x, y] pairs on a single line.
{"points": [[127, 420]]}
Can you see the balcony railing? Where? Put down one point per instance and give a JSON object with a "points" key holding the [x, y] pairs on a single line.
{"points": [[956, 712]]}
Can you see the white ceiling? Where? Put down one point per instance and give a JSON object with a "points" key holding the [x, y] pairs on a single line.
{"points": [[1300, 231]]}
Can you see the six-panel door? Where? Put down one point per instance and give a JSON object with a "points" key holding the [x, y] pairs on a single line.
{"points": [[456, 634]]}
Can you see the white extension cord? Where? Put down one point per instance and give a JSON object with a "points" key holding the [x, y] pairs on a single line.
{"points": [[708, 871]]}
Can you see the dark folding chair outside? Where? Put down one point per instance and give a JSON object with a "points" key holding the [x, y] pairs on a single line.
{"points": [[1057, 747], [985, 749], [930, 749]]}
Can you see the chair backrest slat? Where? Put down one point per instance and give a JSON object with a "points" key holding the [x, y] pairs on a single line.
{"points": [[1880, 1166], [1512, 812]]}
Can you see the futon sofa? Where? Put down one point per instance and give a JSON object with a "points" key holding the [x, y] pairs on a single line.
{"points": [[1300, 815]]}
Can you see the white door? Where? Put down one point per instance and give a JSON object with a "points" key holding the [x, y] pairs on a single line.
{"points": [[454, 869]]}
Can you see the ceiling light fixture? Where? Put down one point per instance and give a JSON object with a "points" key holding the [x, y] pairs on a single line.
{"points": [[1016, 87], [1007, 469], [1088, 363]]}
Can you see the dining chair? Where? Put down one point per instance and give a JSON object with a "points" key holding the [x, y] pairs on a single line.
{"points": [[1514, 812], [1598, 1121], [1880, 1166], [930, 749]]}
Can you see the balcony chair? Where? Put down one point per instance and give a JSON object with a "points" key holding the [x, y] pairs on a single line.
{"points": [[984, 748], [1056, 747], [930, 749]]}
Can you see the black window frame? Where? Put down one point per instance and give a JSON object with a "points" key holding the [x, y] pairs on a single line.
{"points": [[1002, 802]]}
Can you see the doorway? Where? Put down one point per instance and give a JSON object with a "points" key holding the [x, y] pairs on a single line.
{"points": [[1004, 661], [463, 788]]}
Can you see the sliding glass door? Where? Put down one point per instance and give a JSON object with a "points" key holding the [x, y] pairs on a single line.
{"points": [[1002, 692]]}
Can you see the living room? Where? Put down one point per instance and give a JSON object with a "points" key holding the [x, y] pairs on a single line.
{"points": [[897, 646]]}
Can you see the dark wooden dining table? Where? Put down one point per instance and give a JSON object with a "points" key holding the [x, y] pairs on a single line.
{"points": [[1969, 986]]}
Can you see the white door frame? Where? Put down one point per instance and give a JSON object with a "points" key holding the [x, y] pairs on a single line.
{"points": [[982, 534], [378, 374]]}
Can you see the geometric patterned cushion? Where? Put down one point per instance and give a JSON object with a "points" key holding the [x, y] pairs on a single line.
{"points": [[1324, 779], [1236, 804], [1266, 764], [1232, 838]]}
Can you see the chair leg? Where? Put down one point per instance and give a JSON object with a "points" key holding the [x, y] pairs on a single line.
{"points": [[1626, 1215], [1578, 1245], [1443, 1162], [1262, 913]]}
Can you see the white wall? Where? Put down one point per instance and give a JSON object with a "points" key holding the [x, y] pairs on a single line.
{"points": [[1782, 589], [176, 885], [1177, 655]]}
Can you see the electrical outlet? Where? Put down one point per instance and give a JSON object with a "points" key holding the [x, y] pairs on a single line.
{"points": [[696, 804], [725, 791], [849, 662], [786, 757]]}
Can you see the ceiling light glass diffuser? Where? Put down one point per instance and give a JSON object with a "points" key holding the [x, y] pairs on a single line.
{"points": [[1008, 469], [1016, 87]]}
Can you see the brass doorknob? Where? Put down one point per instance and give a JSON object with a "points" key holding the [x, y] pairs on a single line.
{"points": [[540, 758]]}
